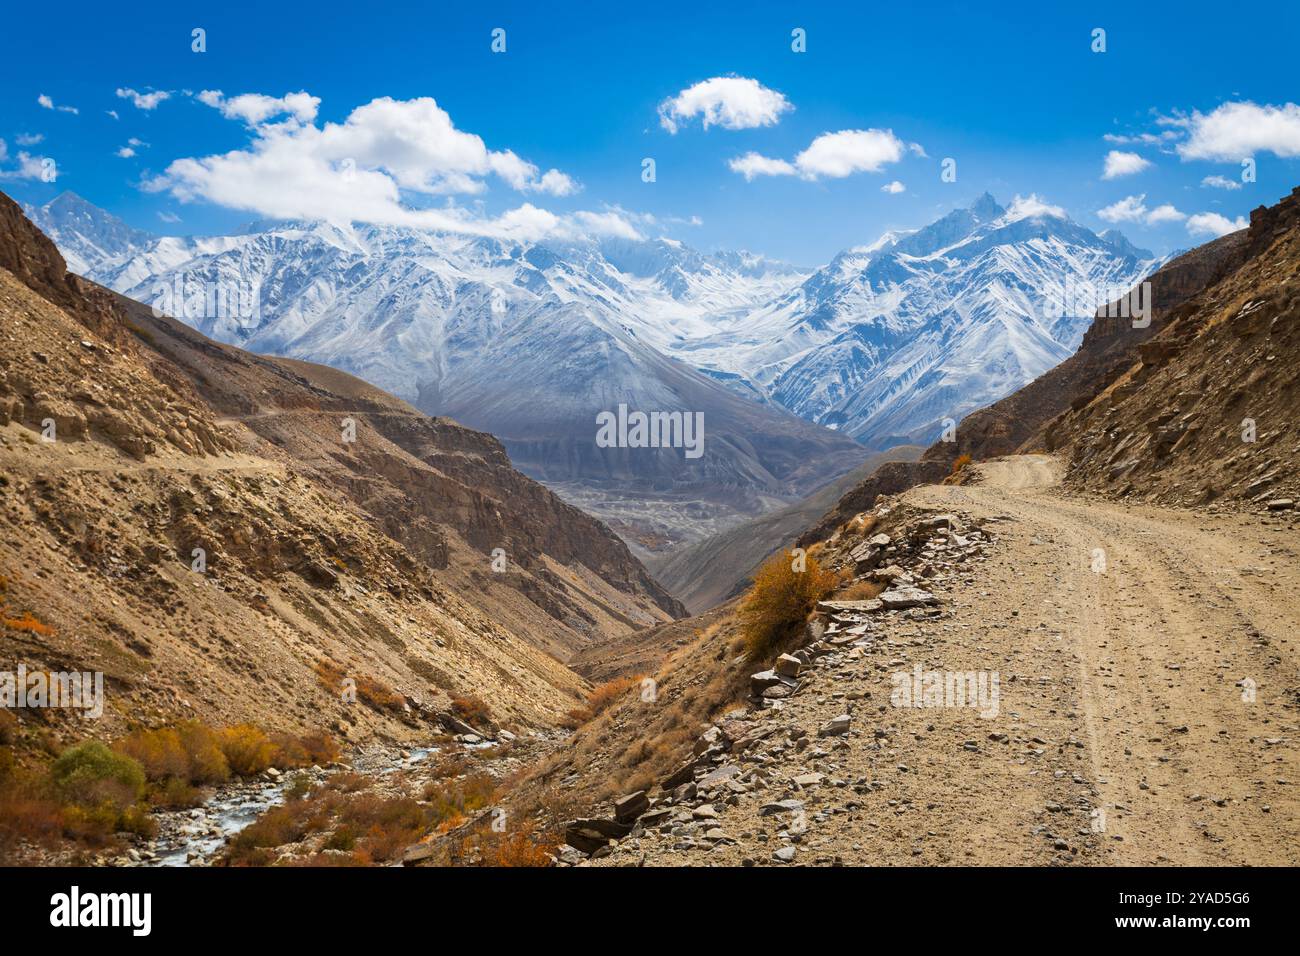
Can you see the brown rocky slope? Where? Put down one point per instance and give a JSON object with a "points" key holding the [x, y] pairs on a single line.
{"points": [[1209, 410], [197, 529]]}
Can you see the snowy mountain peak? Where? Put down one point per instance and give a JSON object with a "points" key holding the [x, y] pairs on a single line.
{"points": [[88, 237]]}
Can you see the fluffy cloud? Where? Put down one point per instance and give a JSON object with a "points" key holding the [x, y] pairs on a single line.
{"points": [[1220, 182], [28, 139], [1134, 209], [256, 108], [359, 169], [1234, 131], [48, 103], [893, 188], [1123, 164], [143, 101], [29, 166], [830, 156], [732, 102], [1213, 224], [1164, 213], [752, 164]]}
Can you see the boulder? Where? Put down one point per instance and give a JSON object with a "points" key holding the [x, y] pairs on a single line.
{"points": [[787, 665], [898, 598], [631, 806], [592, 834]]}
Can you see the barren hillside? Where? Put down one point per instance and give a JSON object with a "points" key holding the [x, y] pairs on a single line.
{"points": [[189, 519]]}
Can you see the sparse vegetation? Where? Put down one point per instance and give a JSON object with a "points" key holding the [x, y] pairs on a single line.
{"points": [[472, 710], [369, 690], [29, 622], [602, 698], [348, 818], [781, 598]]}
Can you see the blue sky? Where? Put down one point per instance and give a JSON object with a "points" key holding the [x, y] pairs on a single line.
{"points": [[1017, 97]]}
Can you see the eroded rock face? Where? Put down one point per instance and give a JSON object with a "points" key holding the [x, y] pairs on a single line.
{"points": [[1208, 411]]}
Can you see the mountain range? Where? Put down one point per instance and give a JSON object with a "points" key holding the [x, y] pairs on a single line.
{"points": [[799, 373]]}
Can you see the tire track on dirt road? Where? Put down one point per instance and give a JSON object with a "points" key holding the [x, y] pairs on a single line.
{"points": [[1188, 769]]}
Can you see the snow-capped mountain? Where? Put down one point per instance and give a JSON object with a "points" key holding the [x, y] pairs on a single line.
{"points": [[527, 341], [530, 341], [88, 237], [889, 340]]}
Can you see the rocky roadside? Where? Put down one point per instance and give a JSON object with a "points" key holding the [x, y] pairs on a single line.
{"points": [[823, 766]]}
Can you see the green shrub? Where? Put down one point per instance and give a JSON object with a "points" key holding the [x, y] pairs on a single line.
{"points": [[91, 775]]}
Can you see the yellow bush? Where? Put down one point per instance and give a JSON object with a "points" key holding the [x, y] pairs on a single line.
{"points": [[782, 597], [247, 749], [188, 752]]}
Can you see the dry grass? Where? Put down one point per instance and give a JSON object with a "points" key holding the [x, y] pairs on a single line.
{"points": [[860, 591], [28, 622], [472, 710], [602, 698], [780, 600], [369, 690]]}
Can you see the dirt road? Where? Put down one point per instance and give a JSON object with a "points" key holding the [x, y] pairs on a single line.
{"points": [[1125, 639], [1170, 636]]}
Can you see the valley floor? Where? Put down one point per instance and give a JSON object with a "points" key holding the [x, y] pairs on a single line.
{"points": [[1127, 730]]}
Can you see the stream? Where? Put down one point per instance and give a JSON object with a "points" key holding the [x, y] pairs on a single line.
{"points": [[195, 837]]}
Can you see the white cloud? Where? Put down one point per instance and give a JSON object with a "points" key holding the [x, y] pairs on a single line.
{"points": [[143, 101], [1128, 209], [849, 151], [112, 113], [1142, 139], [830, 155], [1119, 163], [48, 103], [1164, 213], [126, 152], [1220, 182], [1234, 131], [893, 188], [29, 166], [1213, 224], [359, 169], [732, 102], [28, 139], [554, 183], [1023, 207], [256, 108], [752, 164], [169, 217], [1134, 209]]}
